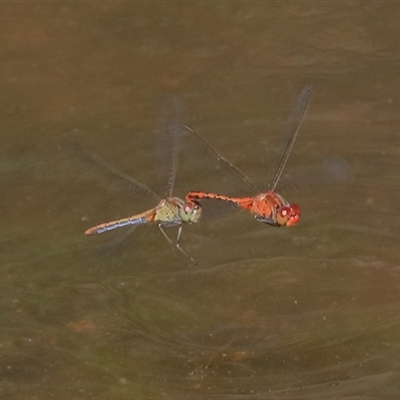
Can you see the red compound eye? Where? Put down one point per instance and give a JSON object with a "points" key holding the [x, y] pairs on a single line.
{"points": [[288, 216]]}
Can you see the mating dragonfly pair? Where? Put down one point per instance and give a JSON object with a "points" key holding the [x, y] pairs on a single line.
{"points": [[269, 207]]}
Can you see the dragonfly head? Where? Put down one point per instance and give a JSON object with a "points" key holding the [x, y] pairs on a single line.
{"points": [[190, 212], [288, 215]]}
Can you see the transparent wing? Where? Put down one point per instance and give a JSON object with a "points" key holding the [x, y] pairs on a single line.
{"points": [[96, 162], [168, 144], [225, 169], [330, 171], [206, 170], [219, 158], [293, 130], [209, 170]]}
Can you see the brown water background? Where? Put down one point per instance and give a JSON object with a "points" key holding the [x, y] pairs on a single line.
{"points": [[304, 313]]}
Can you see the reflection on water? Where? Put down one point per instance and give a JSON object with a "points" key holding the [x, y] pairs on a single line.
{"points": [[307, 312]]}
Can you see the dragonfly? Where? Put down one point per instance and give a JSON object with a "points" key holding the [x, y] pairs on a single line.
{"points": [[268, 207], [168, 212]]}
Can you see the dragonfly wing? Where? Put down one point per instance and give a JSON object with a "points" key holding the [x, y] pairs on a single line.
{"points": [[221, 164], [97, 163], [168, 143], [113, 244], [293, 130]]}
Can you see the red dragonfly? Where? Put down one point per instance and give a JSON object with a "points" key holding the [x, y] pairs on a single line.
{"points": [[269, 207], [169, 211]]}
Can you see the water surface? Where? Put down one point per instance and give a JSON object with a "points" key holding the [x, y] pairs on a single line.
{"points": [[302, 313]]}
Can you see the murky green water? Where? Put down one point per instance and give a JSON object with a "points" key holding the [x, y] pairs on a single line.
{"points": [[304, 313]]}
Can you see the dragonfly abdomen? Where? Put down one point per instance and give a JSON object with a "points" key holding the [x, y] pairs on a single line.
{"points": [[143, 218], [245, 202]]}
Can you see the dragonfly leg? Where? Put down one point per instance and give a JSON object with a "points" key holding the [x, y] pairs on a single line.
{"points": [[165, 235], [176, 244], [267, 220]]}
